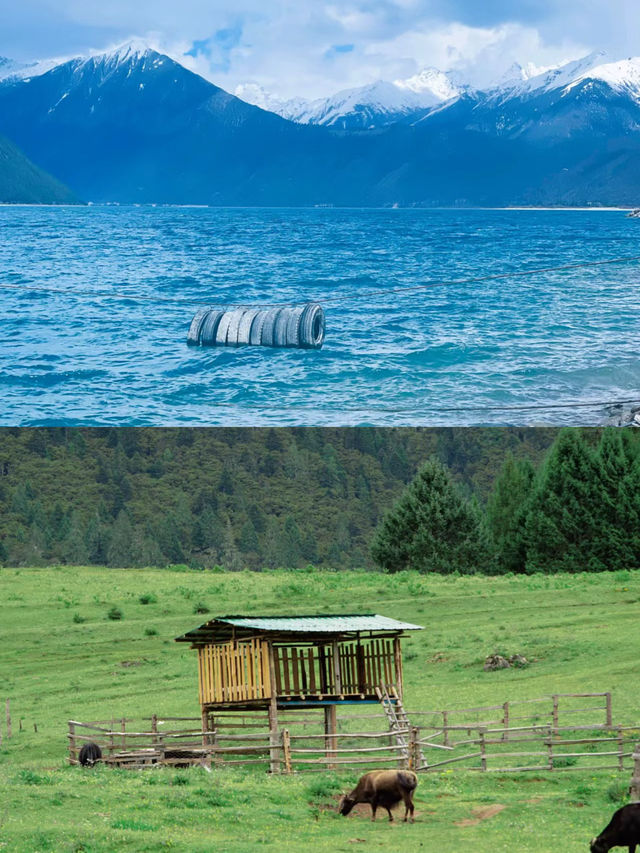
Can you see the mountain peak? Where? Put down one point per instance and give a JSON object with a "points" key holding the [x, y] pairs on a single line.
{"points": [[433, 81]]}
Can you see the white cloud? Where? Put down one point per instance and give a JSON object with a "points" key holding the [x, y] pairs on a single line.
{"points": [[289, 46]]}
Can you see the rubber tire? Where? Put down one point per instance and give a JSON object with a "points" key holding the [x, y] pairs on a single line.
{"points": [[267, 336], [312, 326], [210, 327], [193, 335], [246, 325], [235, 319]]}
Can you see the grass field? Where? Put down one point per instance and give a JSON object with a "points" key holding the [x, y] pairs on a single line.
{"points": [[62, 657]]}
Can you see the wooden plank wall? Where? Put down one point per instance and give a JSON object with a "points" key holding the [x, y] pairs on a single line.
{"points": [[309, 671], [234, 672]]}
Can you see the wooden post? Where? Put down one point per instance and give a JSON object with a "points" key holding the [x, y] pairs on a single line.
{"points": [[445, 727], [8, 716], [483, 749], [608, 709], [73, 754], [274, 753], [123, 739], [286, 750], [112, 743], [397, 657], [555, 713], [634, 788], [549, 745], [413, 749], [205, 727], [505, 720], [620, 749], [154, 729], [330, 728], [336, 668]]}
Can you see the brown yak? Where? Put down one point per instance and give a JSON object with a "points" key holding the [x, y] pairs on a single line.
{"points": [[382, 788]]}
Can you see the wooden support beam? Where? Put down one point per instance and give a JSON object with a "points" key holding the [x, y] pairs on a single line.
{"points": [[336, 667], [397, 655], [274, 741], [330, 731]]}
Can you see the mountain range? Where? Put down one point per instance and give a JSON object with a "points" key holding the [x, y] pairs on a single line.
{"points": [[134, 125]]}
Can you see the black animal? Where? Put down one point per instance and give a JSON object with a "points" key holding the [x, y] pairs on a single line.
{"points": [[623, 830], [382, 788], [89, 754]]}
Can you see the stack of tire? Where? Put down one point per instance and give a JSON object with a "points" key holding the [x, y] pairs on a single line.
{"points": [[300, 326]]}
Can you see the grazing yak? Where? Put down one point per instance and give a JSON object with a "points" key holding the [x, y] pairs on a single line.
{"points": [[89, 754], [382, 788], [623, 830]]}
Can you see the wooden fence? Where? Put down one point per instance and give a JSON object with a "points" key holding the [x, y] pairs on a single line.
{"points": [[587, 710], [302, 747]]}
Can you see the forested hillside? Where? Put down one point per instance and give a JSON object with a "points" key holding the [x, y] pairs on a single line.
{"points": [[257, 498]]}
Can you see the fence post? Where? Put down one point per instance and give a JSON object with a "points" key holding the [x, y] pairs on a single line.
{"points": [[634, 788], [286, 750], [8, 715], [154, 729], [445, 727], [620, 749], [549, 745], [411, 756], [123, 723], [483, 749], [608, 709], [505, 720], [73, 753], [555, 713], [112, 743]]}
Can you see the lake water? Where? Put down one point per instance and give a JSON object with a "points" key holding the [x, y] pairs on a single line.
{"points": [[446, 355]]}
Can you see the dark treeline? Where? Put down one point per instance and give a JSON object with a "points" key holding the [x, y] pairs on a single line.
{"points": [[577, 511], [256, 498]]}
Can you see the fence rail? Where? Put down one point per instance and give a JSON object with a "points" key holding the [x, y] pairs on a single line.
{"points": [[551, 736]]}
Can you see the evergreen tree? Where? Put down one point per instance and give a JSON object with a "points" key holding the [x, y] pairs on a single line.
{"points": [[74, 547], [564, 521], [230, 555], [507, 509], [119, 551], [432, 528]]}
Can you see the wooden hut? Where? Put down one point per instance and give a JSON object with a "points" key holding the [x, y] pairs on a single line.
{"points": [[287, 662]]}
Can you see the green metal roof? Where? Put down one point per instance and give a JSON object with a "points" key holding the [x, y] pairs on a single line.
{"points": [[315, 624]]}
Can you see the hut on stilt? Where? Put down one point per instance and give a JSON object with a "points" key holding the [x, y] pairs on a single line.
{"points": [[289, 663]]}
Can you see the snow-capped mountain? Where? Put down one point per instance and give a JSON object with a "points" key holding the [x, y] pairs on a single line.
{"points": [[376, 105], [525, 81], [135, 125]]}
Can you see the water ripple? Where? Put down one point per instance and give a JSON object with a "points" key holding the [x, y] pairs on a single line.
{"points": [[392, 358]]}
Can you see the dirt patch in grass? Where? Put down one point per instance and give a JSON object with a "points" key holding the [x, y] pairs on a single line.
{"points": [[481, 813]]}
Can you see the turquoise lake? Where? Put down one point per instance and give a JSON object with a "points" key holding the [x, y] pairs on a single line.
{"points": [[111, 350]]}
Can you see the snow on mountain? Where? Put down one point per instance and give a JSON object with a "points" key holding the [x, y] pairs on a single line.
{"points": [[431, 83], [622, 77], [523, 81], [374, 105], [11, 70]]}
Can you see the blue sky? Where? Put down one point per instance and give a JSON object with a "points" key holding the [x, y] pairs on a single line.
{"points": [[315, 47]]}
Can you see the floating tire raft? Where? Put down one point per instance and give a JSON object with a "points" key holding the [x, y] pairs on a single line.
{"points": [[300, 326]]}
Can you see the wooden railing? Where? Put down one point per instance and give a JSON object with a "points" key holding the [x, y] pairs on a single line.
{"points": [[234, 672], [301, 746], [347, 669]]}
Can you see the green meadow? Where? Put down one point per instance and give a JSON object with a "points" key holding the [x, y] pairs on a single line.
{"points": [[63, 656]]}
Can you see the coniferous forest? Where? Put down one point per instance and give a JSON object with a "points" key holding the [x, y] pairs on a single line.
{"points": [[433, 500]]}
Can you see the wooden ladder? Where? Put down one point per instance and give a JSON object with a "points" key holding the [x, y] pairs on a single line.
{"points": [[399, 724]]}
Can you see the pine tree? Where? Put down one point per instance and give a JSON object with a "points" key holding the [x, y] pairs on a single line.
{"points": [[565, 517], [119, 552], [74, 547], [432, 528], [507, 509]]}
